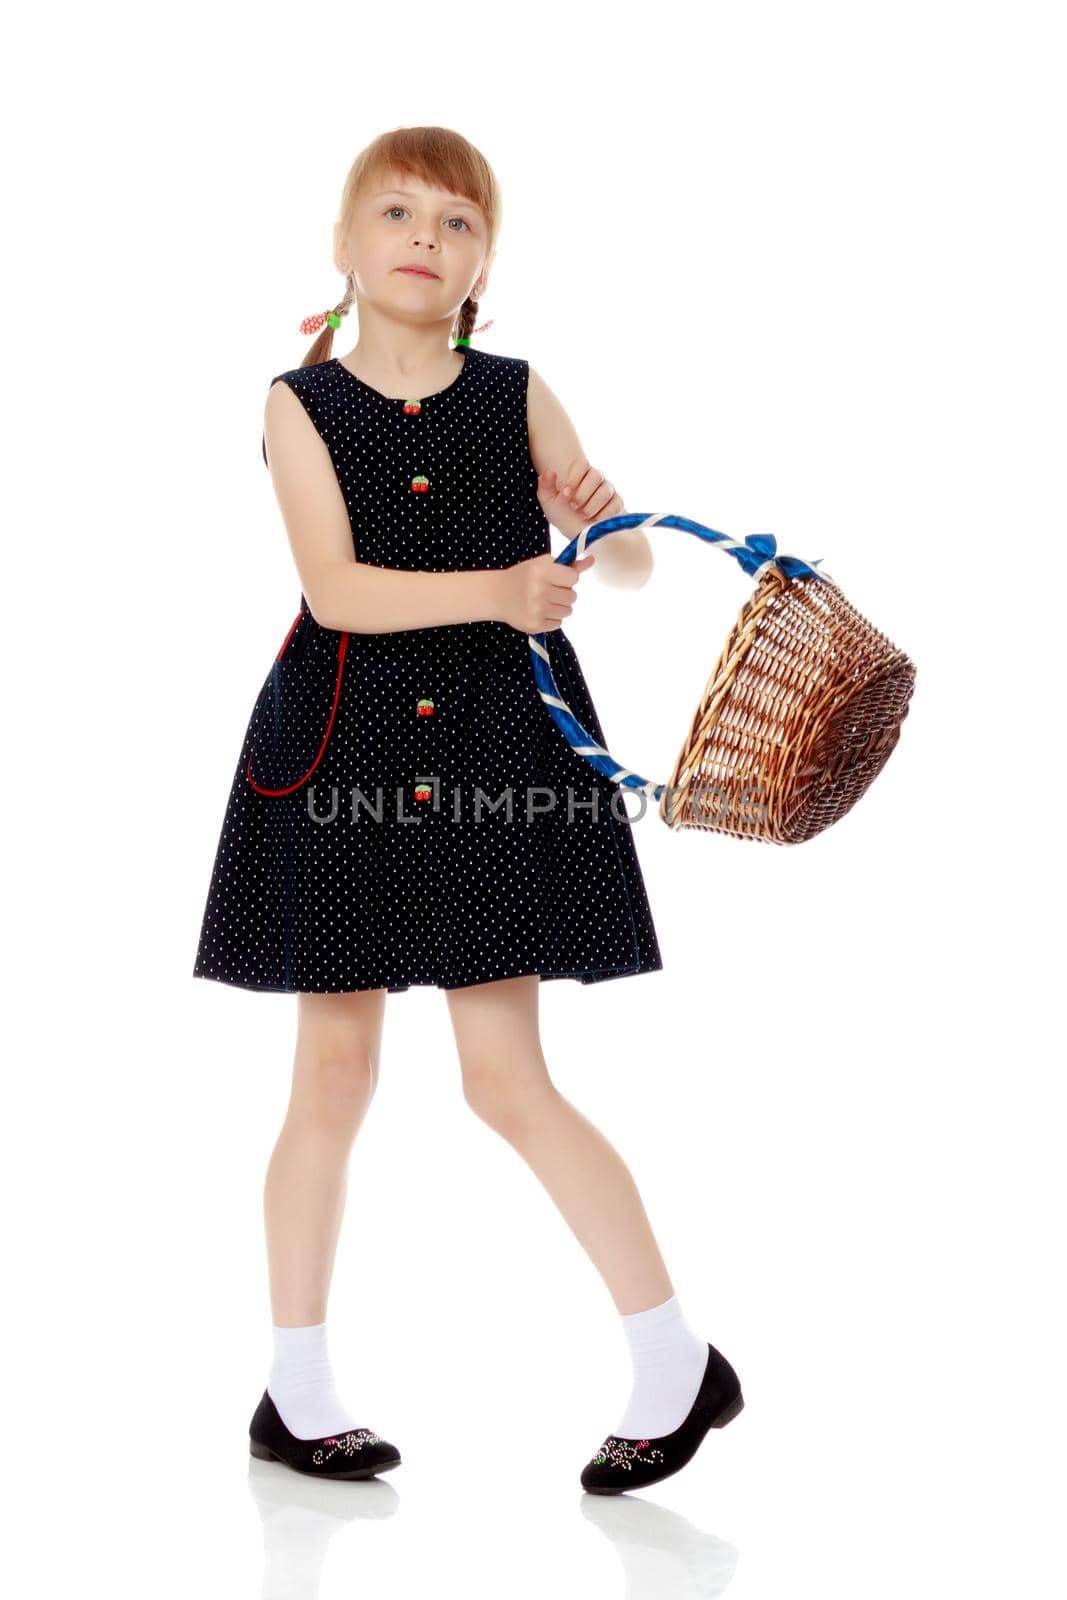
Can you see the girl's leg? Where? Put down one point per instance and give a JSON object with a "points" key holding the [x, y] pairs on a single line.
{"points": [[335, 1073], [506, 1082]]}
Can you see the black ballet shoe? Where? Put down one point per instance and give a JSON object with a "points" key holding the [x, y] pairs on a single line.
{"points": [[358, 1454], [622, 1464]]}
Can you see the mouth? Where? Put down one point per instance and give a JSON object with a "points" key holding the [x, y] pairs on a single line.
{"points": [[416, 272]]}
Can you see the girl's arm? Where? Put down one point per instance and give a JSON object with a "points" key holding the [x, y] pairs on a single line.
{"points": [[344, 593], [624, 559]]}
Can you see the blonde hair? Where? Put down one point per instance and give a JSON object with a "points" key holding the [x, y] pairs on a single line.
{"points": [[439, 158]]}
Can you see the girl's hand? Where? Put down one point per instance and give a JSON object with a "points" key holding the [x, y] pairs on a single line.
{"points": [[535, 595], [582, 498]]}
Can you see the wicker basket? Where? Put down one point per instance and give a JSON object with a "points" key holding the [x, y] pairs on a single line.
{"points": [[800, 715]]}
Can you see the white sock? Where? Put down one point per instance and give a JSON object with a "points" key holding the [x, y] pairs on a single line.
{"points": [[301, 1384], [669, 1361]]}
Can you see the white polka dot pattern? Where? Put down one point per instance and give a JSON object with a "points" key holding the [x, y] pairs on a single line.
{"points": [[400, 860]]}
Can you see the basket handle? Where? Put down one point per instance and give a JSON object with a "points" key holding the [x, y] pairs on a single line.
{"points": [[754, 554]]}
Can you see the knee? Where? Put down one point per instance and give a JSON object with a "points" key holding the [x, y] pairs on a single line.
{"points": [[505, 1097], [334, 1087]]}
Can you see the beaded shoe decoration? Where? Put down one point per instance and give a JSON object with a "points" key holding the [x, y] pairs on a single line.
{"points": [[348, 1444], [624, 1452]]}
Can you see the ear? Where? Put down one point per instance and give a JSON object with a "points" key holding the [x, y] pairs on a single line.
{"points": [[483, 276]]}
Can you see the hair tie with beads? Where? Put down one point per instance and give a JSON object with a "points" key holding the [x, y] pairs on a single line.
{"points": [[466, 337], [319, 320]]}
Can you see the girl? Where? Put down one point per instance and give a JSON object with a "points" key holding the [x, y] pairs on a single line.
{"points": [[451, 836]]}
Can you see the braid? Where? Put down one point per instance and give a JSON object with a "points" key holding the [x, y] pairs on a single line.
{"points": [[468, 316], [320, 350]]}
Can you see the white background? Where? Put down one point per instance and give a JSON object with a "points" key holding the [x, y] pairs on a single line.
{"points": [[790, 268]]}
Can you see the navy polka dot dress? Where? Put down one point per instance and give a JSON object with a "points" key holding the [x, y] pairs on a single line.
{"points": [[404, 809]]}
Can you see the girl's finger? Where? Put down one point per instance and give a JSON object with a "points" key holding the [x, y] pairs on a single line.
{"points": [[587, 485], [594, 507]]}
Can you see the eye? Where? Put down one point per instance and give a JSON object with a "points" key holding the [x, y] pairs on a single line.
{"points": [[451, 219]]}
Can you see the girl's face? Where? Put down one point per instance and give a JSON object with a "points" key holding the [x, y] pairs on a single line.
{"points": [[392, 227]]}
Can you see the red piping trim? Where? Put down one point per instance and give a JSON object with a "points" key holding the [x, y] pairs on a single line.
{"points": [[341, 650]]}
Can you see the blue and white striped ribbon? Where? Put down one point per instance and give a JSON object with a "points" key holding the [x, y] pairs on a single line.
{"points": [[753, 554]]}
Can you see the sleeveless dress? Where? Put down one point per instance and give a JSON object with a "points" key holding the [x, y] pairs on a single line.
{"points": [[404, 809]]}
